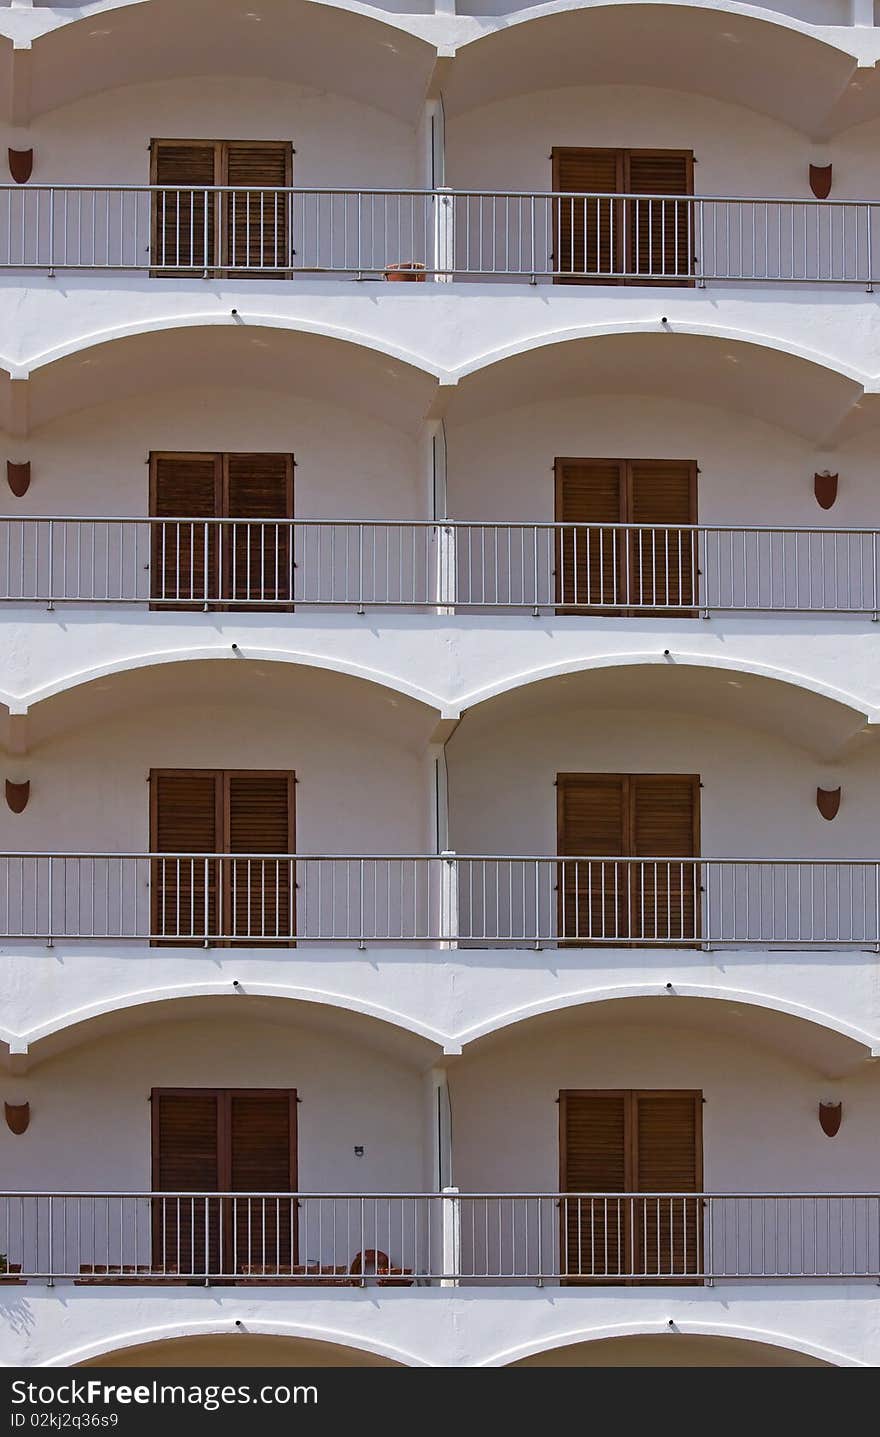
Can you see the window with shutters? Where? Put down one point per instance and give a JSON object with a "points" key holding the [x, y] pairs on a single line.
{"points": [[197, 898], [242, 230], [629, 844], [631, 1141], [248, 559], [650, 565], [600, 237], [224, 1140]]}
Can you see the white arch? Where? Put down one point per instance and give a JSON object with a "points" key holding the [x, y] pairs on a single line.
{"points": [[871, 713], [22, 703], [700, 329], [779, 19], [158, 323], [170, 993], [260, 1327], [687, 1327], [585, 997]]}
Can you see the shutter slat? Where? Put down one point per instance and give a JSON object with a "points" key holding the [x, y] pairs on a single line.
{"points": [[660, 235], [179, 228], [259, 821], [594, 1161], [583, 229], [588, 567], [592, 821], [662, 492], [186, 1150], [184, 556], [667, 1161], [260, 487], [256, 219], [184, 820]]}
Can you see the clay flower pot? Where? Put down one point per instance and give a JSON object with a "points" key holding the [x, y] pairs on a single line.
{"points": [[410, 271]]}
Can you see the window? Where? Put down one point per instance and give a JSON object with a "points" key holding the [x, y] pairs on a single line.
{"points": [[201, 564], [616, 241], [244, 230], [223, 1140], [195, 898], [649, 567], [630, 1141], [604, 817]]}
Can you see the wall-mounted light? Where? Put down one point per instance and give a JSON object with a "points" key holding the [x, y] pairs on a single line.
{"points": [[820, 181], [18, 477], [17, 795], [18, 1117], [828, 802], [830, 1115], [21, 163]]}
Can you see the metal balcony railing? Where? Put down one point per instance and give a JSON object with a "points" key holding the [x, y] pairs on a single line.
{"points": [[259, 899], [449, 234], [451, 1238], [602, 569]]}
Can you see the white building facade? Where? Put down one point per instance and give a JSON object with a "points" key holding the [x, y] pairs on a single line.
{"points": [[439, 592]]}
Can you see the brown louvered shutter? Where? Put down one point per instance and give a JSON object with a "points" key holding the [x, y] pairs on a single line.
{"points": [[662, 492], [257, 224], [259, 891], [665, 827], [660, 232], [668, 1148], [183, 220], [585, 236], [589, 492], [184, 487], [262, 1160], [259, 553], [184, 819], [186, 1158], [592, 821], [594, 1160]]}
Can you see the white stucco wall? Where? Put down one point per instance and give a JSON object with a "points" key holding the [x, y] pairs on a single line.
{"points": [[91, 1104], [507, 144], [758, 796], [760, 1125], [104, 138]]}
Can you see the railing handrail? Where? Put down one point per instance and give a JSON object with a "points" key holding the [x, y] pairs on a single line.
{"points": [[441, 191], [542, 524], [450, 1195], [449, 857]]}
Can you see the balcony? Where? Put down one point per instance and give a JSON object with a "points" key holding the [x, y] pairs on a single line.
{"points": [[278, 233], [255, 900], [614, 569], [449, 1238]]}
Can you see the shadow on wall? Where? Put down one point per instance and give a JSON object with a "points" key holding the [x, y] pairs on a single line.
{"points": [[670, 1350], [239, 1350]]}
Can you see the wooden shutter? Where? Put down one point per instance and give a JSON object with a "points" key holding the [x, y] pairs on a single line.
{"points": [[664, 825], [660, 235], [259, 555], [183, 224], [585, 240], [185, 818], [630, 1141], [663, 565], [263, 1160], [259, 818], [186, 1158], [593, 1159], [592, 820], [183, 568], [588, 561], [257, 224], [667, 1148]]}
